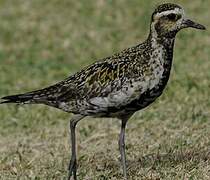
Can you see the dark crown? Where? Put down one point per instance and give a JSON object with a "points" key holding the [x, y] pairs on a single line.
{"points": [[166, 7]]}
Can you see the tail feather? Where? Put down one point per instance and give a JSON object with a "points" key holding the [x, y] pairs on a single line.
{"points": [[19, 98], [47, 95], [26, 98]]}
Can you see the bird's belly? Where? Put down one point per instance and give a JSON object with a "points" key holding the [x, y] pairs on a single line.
{"points": [[141, 102], [144, 100], [130, 108], [148, 96]]}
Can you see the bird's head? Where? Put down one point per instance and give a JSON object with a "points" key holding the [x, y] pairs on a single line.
{"points": [[168, 19]]}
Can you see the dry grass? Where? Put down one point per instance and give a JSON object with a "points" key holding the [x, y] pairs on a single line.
{"points": [[41, 42]]}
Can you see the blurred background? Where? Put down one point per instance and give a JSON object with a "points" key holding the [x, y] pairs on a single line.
{"points": [[42, 42]]}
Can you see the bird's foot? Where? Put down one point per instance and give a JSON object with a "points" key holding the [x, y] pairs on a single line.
{"points": [[72, 169]]}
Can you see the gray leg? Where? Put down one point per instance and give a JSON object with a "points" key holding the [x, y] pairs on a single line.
{"points": [[122, 147], [73, 162]]}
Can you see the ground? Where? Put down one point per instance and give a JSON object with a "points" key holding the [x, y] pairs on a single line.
{"points": [[42, 42]]}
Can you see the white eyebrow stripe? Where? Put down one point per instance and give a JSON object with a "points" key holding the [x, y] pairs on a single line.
{"points": [[175, 11]]}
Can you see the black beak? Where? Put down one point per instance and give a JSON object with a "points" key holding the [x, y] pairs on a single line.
{"points": [[189, 23]]}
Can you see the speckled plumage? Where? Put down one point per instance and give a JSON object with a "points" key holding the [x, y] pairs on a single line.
{"points": [[102, 89], [91, 91], [119, 85]]}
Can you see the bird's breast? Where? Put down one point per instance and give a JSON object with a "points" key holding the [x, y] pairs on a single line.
{"points": [[160, 71]]}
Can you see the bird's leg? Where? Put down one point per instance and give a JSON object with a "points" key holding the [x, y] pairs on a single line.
{"points": [[73, 162], [122, 147]]}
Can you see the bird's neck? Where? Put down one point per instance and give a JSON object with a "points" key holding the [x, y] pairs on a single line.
{"points": [[162, 53], [163, 43], [166, 41]]}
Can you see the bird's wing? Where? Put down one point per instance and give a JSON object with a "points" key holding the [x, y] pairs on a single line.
{"points": [[99, 79], [107, 83], [110, 82]]}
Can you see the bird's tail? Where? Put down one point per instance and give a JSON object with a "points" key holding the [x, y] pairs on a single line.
{"points": [[38, 96], [19, 98], [43, 96]]}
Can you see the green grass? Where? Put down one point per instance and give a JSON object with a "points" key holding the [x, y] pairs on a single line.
{"points": [[42, 42]]}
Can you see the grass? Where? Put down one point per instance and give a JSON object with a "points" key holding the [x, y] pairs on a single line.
{"points": [[42, 42]]}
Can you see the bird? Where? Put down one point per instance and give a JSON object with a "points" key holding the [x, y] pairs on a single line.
{"points": [[119, 85]]}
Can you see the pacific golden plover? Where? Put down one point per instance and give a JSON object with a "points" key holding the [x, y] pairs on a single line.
{"points": [[119, 85]]}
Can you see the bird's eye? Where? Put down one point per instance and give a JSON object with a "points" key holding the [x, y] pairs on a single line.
{"points": [[174, 17]]}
